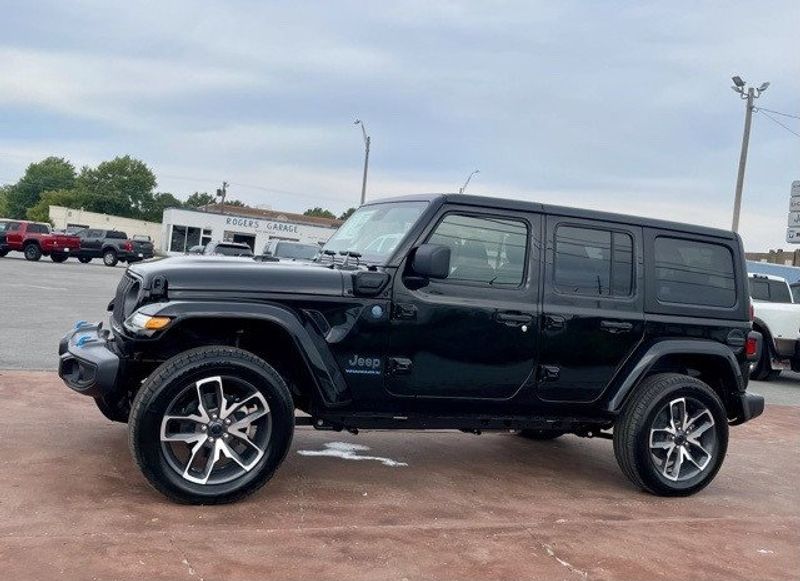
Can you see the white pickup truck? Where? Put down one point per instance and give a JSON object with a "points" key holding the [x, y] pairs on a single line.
{"points": [[777, 318]]}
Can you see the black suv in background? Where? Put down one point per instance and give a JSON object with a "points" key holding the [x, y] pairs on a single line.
{"points": [[433, 312], [112, 246]]}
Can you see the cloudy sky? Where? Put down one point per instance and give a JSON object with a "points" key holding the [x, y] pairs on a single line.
{"points": [[623, 106]]}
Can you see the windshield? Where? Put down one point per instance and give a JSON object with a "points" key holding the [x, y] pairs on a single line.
{"points": [[296, 251], [374, 231]]}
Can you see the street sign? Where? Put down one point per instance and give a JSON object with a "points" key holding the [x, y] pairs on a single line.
{"points": [[793, 235], [794, 219], [794, 204], [793, 231], [796, 188]]}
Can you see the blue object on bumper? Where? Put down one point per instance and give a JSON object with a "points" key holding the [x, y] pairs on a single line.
{"points": [[86, 363]]}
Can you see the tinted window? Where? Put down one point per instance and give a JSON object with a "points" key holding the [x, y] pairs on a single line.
{"points": [[38, 228], [593, 262], [693, 272], [297, 251], [116, 235], [795, 293], [774, 291], [484, 250]]}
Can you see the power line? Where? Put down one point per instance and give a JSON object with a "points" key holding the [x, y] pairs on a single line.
{"points": [[779, 113], [771, 118]]}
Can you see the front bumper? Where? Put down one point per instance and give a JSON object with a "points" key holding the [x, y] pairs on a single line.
{"points": [[87, 363], [752, 406]]}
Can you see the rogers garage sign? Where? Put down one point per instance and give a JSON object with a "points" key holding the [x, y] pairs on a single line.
{"points": [[260, 225]]}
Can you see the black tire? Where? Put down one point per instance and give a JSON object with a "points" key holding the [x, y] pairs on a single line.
{"points": [[172, 381], [110, 257], [32, 252], [774, 374], [58, 257], [540, 434], [84, 259], [761, 369], [632, 436], [114, 409], [3, 253]]}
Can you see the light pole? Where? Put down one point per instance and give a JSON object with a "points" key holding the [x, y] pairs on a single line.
{"points": [[463, 188], [366, 159], [749, 95]]}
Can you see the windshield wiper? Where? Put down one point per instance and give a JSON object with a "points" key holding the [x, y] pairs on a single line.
{"points": [[348, 254]]}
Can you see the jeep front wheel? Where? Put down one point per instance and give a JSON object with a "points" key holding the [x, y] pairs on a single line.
{"points": [[672, 435], [211, 425]]}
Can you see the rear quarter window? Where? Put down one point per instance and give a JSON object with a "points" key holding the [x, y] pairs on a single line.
{"points": [[692, 272]]}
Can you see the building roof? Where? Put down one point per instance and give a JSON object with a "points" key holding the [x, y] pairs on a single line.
{"points": [[271, 215]]}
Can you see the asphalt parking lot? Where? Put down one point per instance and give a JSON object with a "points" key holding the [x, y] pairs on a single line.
{"points": [[440, 505]]}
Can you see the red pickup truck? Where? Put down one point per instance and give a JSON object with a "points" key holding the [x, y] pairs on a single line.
{"points": [[36, 240]]}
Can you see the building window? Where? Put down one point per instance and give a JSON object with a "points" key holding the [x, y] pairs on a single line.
{"points": [[183, 238]]}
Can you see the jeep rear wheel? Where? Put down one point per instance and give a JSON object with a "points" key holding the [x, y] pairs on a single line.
{"points": [[58, 257], [32, 252], [672, 435], [110, 257], [211, 425]]}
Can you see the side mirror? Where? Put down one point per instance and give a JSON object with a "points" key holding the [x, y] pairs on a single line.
{"points": [[431, 261]]}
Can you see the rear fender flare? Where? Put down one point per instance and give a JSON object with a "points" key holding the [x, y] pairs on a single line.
{"points": [[666, 348], [329, 382]]}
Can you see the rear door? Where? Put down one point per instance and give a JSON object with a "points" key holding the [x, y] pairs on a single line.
{"points": [[92, 242], [593, 304]]}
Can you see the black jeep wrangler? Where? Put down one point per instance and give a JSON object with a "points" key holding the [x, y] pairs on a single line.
{"points": [[434, 312]]}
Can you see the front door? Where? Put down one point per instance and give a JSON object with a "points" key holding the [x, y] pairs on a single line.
{"points": [[475, 333], [592, 309]]}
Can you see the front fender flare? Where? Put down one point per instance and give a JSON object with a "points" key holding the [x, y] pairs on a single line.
{"points": [[672, 347], [328, 379]]}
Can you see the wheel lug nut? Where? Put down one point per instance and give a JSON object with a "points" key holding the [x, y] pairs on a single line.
{"points": [[211, 440], [227, 421], [213, 416], [226, 436], [204, 428]]}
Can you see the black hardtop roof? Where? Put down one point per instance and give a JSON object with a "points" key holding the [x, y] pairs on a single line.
{"points": [[523, 206]]}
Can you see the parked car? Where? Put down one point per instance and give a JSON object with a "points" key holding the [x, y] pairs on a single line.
{"points": [[35, 239], [777, 318], [488, 314], [237, 249], [113, 246], [289, 251]]}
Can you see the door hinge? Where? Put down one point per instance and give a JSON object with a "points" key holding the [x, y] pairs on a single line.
{"points": [[398, 366], [404, 311], [549, 372]]}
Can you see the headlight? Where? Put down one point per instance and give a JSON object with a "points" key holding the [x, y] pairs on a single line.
{"points": [[147, 325]]}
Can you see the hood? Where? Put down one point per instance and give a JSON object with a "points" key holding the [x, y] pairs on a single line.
{"points": [[224, 274]]}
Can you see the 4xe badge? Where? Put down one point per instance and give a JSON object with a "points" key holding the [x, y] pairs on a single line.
{"points": [[363, 365]]}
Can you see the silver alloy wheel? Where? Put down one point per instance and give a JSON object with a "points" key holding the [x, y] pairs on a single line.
{"points": [[108, 258], [683, 439], [216, 430]]}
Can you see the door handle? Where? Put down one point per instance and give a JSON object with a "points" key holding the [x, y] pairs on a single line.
{"points": [[553, 322], [616, 326], [511, 318]]}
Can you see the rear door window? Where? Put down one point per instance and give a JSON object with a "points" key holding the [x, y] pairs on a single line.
{"points": [[692, 272], [593, 262]]}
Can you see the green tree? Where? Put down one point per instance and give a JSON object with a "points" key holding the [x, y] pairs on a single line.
{"points": [[318, 212], [52, 173], [122, 186], [237, 203], [67, 198], [347, 213], [155, 205], [199, 199], [4, 201]]}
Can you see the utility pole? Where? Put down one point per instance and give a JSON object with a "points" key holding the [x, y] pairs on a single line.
{"points": [[463, 188], [366, 160], [748, 95], [221, 193]]}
